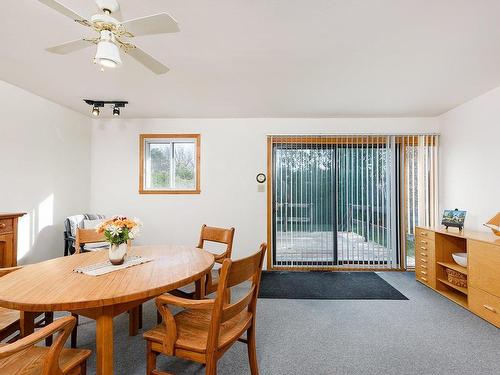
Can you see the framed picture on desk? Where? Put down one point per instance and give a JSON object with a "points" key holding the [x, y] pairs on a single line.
{"points": [[453, 218]]}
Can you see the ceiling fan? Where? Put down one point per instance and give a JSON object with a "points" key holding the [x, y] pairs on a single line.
{"points": [[114, 35]]}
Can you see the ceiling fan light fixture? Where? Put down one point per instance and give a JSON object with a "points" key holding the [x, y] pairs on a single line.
{"points": [[116, 111], [108, 54], [95, 111]]}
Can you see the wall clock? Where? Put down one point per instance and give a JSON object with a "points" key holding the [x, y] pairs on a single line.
{"points": [[261, 178]]}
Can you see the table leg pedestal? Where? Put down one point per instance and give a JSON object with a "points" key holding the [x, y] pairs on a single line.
{"points": [[104, 343], [27, 323], [133, 321]]}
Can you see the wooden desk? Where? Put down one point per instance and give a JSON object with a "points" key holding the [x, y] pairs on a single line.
{"points": [[53, 286], [433, 256], [8, 239]]}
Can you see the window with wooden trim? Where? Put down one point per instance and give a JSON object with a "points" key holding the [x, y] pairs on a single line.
{"points": [[169, 164]]}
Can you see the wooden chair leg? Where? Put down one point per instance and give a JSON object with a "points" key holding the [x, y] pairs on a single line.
{"points": [[252, 350], [133, 321], [49, 318], [140, 316], [150, 359], [211, 368], [83, 368], [74, 333], [199, 286]]}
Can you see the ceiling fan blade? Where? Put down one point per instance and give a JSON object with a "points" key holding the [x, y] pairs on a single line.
{"points": [[147, 60], [58, 7], [156, 24], [68, 47]]}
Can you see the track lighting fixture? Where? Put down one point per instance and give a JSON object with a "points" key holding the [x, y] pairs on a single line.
{"points": [[98, 104]]}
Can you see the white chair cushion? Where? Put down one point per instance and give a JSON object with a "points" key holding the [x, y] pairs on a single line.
{"points": [[94, 246], [92, 224]]}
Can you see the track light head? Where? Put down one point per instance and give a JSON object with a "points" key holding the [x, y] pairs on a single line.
{"points": [[98, 104]]}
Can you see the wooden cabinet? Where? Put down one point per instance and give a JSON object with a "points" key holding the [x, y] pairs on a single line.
{"points": [[433, 257], [484, 266], [8, 239]]}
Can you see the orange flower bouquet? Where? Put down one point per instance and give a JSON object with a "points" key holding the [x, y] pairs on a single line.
{"points": [[118, 231]]}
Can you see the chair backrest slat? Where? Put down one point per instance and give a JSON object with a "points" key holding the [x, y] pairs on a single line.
{"points": [[243, 270], [235, 308], [6, 271], [84, 236]]}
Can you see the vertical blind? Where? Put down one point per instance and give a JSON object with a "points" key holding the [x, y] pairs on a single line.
{"points": [[349, 201]]}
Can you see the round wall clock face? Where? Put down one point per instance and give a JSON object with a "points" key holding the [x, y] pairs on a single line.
{"points": [[261, 178]]}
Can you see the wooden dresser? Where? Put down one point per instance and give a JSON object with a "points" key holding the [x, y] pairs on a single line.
{"points": [[433, 249], [8, 239]]}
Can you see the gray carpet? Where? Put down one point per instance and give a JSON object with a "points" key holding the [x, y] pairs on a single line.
{"points": [[425, 335]]}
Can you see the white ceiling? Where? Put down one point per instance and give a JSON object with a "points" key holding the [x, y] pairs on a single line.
{"points": [[269, 58]]}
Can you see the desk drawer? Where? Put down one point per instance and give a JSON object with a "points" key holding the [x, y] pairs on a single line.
{"points": [[425, 272], [422, 253], [6, 225], [484, 267], [425, 243], [423, 279], [485, 305], [425, 233]]}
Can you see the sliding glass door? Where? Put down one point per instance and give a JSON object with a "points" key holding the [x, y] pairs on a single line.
{"points": [[304, 204], [367, 232], [340, 201]]}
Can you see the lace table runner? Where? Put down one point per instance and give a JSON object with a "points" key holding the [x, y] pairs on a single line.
{"points": [[106, 267]]}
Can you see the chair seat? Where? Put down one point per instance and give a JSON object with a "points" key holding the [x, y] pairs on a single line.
{"points": [[30, 361], [8, 318], [192, 329], [95, 246], [190, 289]]}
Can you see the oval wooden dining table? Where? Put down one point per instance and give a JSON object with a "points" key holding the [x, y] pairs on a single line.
{"points": [[54, 286]]}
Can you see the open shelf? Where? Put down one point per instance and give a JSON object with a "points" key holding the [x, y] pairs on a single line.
{"points": [[454, 266], [459, 298], [456, 287]]}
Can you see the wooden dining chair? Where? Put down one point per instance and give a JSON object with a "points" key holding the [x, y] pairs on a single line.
{"points": [[207, 328], [217, 235], [87, 240], [10, 320], [208, 234], [214, 235], [23, 357]]}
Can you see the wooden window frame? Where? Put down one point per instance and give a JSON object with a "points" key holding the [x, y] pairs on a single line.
{"points": [[401, 140], [143, 138]]}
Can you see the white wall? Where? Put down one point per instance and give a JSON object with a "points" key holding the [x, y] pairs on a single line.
{"points": [[233, 151], [470, 155], [44, 169]]}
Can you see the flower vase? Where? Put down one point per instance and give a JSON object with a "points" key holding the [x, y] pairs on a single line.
{"points": [[117, 253]]}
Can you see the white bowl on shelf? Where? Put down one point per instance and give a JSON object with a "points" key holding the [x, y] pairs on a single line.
{"points": [[460, 258]]}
